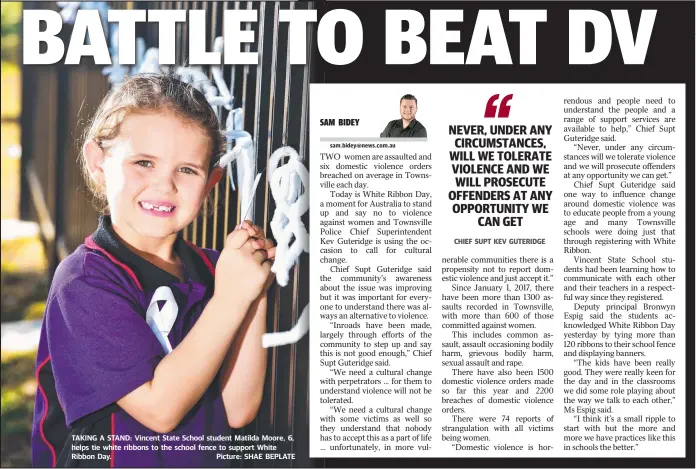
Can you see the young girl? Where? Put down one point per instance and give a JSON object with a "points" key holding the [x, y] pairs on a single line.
{"points": [[109, 394]]}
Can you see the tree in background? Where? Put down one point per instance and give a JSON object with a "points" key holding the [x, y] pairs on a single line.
{"points": [[11, 13]]}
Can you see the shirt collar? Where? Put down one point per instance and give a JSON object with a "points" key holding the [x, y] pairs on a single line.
{"points": [[149, 275], [410, 124]]}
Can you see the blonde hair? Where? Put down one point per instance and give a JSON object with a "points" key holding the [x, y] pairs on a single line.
{"points": [[146, 93]]}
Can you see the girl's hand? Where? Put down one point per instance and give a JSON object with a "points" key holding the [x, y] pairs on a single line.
{"points": [[244, 267], [256, 232], [261, 242]]}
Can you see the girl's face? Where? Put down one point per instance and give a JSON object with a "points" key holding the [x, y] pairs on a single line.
{"points": [[155, 173]]}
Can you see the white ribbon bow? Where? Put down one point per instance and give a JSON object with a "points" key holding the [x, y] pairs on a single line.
{"points": [[162, 319], [244, 155], [276, 339], [289, 184]]}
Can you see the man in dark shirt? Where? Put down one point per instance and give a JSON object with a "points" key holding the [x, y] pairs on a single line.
{"points": [[407, 126]]}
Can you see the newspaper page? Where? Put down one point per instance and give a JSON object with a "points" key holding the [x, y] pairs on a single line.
{"points": [[499, 272], [341, 234]]}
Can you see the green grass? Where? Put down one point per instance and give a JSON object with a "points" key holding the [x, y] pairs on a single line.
{"points": [[22, 295], [18, 392], [20, 291]]}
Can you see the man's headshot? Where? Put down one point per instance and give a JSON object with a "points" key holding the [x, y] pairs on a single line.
{"points": [[407, 126]]}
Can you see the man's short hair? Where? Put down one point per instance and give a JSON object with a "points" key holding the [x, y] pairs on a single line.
{"points": [[409, 97]]}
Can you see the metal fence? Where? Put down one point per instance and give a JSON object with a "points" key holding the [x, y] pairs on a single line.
{"points": [[58, 100]]}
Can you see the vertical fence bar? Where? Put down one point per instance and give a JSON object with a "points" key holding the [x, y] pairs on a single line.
{"points": [[284, 137], [257, 101], [213, 9], [304, 131]]}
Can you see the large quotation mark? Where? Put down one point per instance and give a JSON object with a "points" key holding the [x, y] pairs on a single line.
{"points": [[503, 109]]}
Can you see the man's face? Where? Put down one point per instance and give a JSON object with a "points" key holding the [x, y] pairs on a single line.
{"points": [[408, 109]]}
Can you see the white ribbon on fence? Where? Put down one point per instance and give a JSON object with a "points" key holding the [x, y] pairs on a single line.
{"points": [[225, 98], [244, 155], [276, 339], [289, 185]]}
